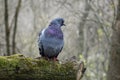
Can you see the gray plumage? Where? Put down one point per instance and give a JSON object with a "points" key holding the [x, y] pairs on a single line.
{"points": [[51, 40]]}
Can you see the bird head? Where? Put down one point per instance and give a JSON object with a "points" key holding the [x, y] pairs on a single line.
{"points": [[58, 21]]}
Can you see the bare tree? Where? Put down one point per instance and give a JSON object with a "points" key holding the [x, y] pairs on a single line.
{"points": [[7, 31], [15, 27]]}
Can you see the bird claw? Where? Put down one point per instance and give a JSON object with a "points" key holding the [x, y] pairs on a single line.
{"points": [[55, 59]]}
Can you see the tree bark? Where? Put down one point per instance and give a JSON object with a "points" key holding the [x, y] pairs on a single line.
{"points": [[15, 27], [114, 62], [7, 31]]}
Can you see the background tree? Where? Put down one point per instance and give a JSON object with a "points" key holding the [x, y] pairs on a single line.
{"points": [[114, 61], [15, 27], [7, 30]]}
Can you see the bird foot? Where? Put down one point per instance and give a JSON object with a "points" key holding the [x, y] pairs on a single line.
{"points": [[52, 59], [55, 59]]}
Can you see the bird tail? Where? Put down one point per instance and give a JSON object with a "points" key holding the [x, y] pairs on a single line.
{"points": [[41, 52]]}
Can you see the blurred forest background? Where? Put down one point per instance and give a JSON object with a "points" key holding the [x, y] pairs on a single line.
{"points": [[87, 33]]}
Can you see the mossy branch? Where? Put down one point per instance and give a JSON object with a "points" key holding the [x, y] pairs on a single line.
{"points": [[18, 67]]}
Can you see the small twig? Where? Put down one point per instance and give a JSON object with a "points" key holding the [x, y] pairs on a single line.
{"points": [[81, 71]]}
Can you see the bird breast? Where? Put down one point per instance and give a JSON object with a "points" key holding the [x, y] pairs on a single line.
{"points": [[54, 33]]}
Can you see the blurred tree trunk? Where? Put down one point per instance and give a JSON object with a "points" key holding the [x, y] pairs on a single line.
{"points": [[15, 27], [7, 31], [114, 62], [82, 27]]}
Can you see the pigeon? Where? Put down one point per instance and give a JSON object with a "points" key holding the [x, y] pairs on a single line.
{"points": [[51, 40]]}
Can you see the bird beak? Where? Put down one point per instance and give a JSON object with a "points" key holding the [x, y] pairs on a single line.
{"points": [[64, 25]]}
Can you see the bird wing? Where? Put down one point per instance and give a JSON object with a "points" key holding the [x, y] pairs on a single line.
{"points": [[41, 49]]}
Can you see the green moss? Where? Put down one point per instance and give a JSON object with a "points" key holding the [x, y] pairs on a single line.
{"points": [[18, 67]]}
